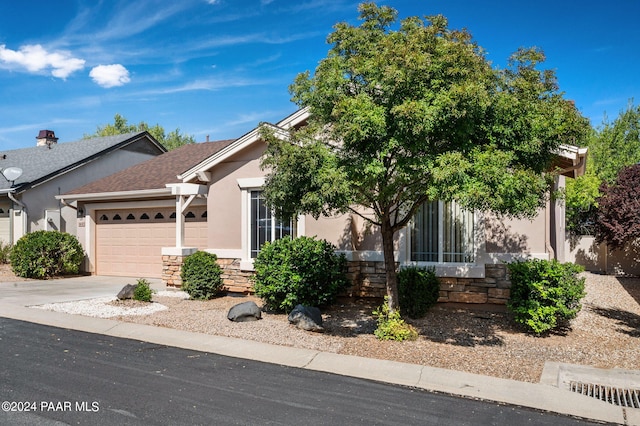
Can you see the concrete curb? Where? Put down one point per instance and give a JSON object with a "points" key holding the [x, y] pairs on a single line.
{"points": [[532, 395]]}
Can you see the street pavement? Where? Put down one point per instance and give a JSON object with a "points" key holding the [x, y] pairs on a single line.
{"points": [[52, 374], [546, 396]]}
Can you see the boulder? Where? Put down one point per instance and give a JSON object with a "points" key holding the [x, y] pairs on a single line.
{"points": [[127, 292], [307, 318], [247, 311]]}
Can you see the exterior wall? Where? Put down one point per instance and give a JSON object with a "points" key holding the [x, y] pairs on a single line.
{"points": [[225, 202], [368, 280], [598, 258]]}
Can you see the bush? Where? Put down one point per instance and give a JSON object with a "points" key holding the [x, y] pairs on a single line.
{"points": [[545, 294], [295, 271], [391, 326], [143, 291], [418, 290], [201, 275], [5, 252], [45, 254]]}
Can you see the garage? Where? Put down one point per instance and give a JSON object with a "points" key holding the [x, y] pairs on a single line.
{"points": [[129, 242]]}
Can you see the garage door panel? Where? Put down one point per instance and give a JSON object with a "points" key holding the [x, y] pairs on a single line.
{"points": [[134, 247]]}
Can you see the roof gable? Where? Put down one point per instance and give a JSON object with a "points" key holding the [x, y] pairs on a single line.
{"points": [[42, 163], [154, 173], [296, 119]]}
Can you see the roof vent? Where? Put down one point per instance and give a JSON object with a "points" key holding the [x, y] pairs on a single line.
{"points": [[46, 138]]}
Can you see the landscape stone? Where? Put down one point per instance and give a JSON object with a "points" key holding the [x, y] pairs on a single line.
{"points": [[127, 292], [246, 311], [307, 318]]}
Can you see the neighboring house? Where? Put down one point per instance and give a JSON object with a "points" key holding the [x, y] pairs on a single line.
{"points": [[50, 168], [466, 248]]}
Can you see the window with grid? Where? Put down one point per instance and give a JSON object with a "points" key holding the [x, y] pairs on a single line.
{"points": [[265, 226], [442, 233]]}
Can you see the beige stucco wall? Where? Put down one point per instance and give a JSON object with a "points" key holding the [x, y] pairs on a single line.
{"points": [[498, 239], [224, 197], [598, 258], [516, 236]]}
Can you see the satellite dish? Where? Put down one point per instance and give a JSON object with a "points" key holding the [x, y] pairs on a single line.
{"points": [[12, 173]]}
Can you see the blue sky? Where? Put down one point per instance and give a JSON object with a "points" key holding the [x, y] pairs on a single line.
{"points": [[219, 67]]}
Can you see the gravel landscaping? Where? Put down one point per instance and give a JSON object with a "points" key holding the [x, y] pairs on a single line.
{"points": [[477, 339]]}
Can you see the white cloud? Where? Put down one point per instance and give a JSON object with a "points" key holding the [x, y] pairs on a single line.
{"points": [[110, 75], [34, 58], [213, 1]]}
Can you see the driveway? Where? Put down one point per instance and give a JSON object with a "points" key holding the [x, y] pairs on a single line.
{"points": [[37, 292]]}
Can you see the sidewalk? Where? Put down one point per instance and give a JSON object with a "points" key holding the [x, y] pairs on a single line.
{"points": [[14, 297]]}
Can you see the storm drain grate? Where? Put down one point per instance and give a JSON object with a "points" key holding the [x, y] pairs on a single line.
{"points": [[611, 394]]}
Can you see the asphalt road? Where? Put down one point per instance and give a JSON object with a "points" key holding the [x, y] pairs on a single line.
{"points": [[53, 376]]}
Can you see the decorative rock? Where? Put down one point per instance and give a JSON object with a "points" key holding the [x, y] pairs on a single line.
{"points": [[127, 292], [307, 318], [242, 312]]}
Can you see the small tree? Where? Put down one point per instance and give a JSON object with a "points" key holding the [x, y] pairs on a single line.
{"points": [[618, 218], [402, 117]]}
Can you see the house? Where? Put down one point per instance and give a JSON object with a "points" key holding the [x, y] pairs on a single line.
{"points": [[32, 177], [222, 192]]}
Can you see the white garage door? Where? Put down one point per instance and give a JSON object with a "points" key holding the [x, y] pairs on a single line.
{"points": [[129, 242]]}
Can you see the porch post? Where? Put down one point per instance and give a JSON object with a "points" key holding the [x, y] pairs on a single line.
{"points": [[179, 222]]}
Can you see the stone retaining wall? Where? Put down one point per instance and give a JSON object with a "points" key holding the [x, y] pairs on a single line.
{"points": [[368, 280], [493, 288]]}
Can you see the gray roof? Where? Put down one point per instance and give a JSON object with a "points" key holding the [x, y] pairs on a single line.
{"points": [[40, 163]]}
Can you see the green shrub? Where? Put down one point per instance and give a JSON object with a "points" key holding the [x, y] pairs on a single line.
{"points": [[391, 326], [201, 275], [45, 254], [545, 294], [418, 290], [143, 291], [295, 271], [5, 252]]}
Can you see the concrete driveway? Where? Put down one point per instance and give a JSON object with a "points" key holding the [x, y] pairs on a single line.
{"points": [[37, 292]]}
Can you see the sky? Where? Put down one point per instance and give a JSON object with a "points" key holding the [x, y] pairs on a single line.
{"points": [[218, 68]]}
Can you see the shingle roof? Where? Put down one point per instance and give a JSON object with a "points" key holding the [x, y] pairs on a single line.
{"points": [[40, 163], [154, 173]]}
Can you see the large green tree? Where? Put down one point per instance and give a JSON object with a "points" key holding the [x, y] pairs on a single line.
{"points": [[613, 146], [403, 116], [120, 125]]}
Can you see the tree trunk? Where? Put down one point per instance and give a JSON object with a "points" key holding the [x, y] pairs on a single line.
{"points": [[390, 264]]}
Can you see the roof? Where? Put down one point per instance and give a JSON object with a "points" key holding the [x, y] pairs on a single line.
{"points": [[154, 173], [298, 118], [41, 163]]}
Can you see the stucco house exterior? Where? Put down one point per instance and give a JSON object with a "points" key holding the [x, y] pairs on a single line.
{"points": [[219, 196], [50, 168]]}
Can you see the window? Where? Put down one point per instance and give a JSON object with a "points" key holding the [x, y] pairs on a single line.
{"points": [[264, 226], [442, 233]]}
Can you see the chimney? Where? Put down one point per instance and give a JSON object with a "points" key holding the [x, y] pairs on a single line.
{"points": [[46, 138]]}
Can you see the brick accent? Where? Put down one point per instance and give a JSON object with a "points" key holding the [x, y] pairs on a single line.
{"points": [[235, 280], [368, 280], [493, 289], [171, 267]]}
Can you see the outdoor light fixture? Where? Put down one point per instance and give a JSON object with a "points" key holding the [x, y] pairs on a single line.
{"points": [[11, 174]]}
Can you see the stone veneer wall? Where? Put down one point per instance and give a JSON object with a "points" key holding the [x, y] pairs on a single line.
{"points": [[171, 267], [368, 280], [234, 279], [493, 288]]}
